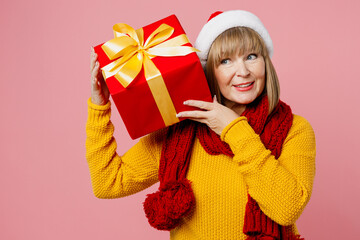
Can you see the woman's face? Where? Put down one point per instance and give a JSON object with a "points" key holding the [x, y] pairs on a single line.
{"points": [[241, 79]]}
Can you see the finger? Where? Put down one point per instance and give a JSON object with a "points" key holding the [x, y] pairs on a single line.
{"points": [[200, 120], [100, 75], [215, 99], [95, 70], [193, 114], [94, 83], [94, 75], [199, 104], [93, 58]]}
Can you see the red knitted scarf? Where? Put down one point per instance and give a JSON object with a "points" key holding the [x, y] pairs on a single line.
{"points": [[175, 198]]}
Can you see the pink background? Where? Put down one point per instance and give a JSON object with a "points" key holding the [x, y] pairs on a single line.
{"points": [[45, 45]]}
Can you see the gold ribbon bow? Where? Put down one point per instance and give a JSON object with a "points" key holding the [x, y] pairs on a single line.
{"points": [[131, 54]]}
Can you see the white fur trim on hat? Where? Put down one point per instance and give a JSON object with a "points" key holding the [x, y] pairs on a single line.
{"points": [[224, 21]]}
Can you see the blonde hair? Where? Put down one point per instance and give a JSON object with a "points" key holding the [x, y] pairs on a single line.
{"points": [[239, 40]]}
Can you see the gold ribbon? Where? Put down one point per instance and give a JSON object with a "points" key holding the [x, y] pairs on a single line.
{"points": [[131, 54]]}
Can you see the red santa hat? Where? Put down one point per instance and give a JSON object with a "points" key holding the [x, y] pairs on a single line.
{"points": [[222, 21]]}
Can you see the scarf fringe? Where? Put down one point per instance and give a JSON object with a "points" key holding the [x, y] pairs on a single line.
{"points": [[286, 235], [258, 224]]}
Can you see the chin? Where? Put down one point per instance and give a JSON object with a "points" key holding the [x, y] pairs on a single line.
{"points": [[244, 101]]}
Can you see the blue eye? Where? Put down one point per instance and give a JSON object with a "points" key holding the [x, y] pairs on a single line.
{"points": [[225, 61], [251, 56]]}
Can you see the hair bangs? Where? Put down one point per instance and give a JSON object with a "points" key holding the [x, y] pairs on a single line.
{"points": [[237, 41]]}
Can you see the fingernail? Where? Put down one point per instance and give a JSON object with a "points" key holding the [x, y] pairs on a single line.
{"points": [[97, 63], [178, 115], [185, 102]]}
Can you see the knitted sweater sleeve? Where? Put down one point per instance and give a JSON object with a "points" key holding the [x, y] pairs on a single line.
{"points": [[114, 176], [282, 187]]}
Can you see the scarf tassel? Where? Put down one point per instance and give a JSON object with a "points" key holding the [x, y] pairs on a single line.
{"points": [[169, 204]]}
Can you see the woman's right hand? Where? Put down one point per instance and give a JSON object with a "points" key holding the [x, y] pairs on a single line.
{"points": [[99, 91]]}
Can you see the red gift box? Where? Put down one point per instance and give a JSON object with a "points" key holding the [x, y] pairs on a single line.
{"points": [[183, 79]]}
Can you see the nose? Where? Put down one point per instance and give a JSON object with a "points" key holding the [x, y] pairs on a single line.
{"points": [[241, 69]]}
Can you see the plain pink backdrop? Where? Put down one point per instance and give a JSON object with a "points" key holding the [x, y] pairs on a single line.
{"points": [[45, 45]]}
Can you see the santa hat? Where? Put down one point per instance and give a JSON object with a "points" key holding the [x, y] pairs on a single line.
{"points": [[222, 21]]}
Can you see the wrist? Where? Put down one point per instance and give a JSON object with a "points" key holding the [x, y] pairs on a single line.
{"points": [[98, 101], [231, 125], [100, 107]]}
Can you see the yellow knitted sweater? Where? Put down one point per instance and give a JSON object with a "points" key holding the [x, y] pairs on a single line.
{"points": [[281, 187]]}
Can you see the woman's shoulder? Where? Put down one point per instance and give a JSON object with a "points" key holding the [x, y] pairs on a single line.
{"points": [[155, 138], [299, 121], [301, 126], [152, 144]]}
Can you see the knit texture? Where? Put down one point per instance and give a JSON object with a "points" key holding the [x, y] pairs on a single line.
{"points": [[167, 206], [220, 183]]}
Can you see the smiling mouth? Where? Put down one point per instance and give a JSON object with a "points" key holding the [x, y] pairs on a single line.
{"points": [[244, 85]]}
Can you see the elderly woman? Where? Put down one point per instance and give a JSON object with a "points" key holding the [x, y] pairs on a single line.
{"points": [[241, 167]]}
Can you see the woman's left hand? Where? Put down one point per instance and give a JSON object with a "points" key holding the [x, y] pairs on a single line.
{"points": [[215, 115]]}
